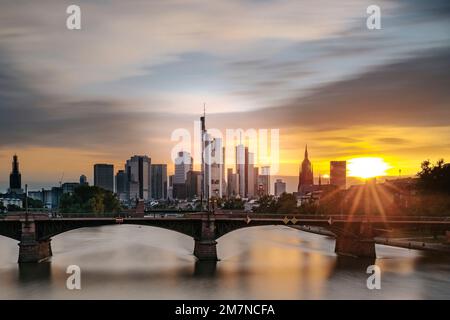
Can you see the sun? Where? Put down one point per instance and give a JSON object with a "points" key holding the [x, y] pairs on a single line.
{"points": [[367, 167]]}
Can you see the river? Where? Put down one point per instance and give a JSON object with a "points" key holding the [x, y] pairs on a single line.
{"points": [[272, 262]]}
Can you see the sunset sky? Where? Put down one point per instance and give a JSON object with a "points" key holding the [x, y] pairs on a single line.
{"points": [[137, 70]]}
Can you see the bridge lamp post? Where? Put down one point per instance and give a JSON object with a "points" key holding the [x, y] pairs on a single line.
{"points": [[26, 202]]}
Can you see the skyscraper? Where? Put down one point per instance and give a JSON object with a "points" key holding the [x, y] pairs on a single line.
{"points": [[245, 169], [249, 174], [216, 163], [256, 179], [193, 184], [183, 164], [264, 181], [159, 181], [280, 187], [170, 189], [138, 177], [338, 174], [83, 180], [240, 168], [104, 176], [232, 183], [121, 183], [305, 179], [15, 178]]}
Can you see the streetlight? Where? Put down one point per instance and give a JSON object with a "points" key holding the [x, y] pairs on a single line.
{"points": [[26, 202]]}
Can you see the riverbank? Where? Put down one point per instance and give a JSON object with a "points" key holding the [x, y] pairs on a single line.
{"points": [[407, 243]]}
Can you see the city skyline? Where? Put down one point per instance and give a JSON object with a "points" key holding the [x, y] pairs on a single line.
{"points": [[293, 182], [316, 79]]}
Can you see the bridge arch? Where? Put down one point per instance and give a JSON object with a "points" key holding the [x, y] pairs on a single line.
{"points": [[223, 231], [11, 229], [46, 230]]}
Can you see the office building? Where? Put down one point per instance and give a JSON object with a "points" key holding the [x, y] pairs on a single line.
{"points": [[250, 179], [170, 189], [159, 181], [104, 176], [83, 180], [240, 168], [280, 187], [263, 178], [338, 174], [183, 164], [193, 184], [215, 169], [232, 183], [138, 178], [121, 185], [69, 187]]}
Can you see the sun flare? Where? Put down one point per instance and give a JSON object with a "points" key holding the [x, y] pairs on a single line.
{"points": [[367, 167]]}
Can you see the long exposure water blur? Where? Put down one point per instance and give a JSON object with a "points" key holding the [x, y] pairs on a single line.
{"points": [[273, 262]]}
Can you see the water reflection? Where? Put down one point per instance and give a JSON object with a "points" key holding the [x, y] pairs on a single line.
{"points": [[34, 272], [205, 268], [128, 262], [351, 264]]}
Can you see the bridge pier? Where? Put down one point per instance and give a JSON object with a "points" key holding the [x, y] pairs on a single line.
{"points": [[356, 247], [205, 248], [359, 244], [31, 249]]}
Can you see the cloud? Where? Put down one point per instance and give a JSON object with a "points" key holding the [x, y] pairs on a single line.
{"points": [[138, 69], [413, 92], [393, 141]]}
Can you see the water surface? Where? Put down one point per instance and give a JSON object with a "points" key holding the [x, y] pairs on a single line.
{"points": [[271, 262]]}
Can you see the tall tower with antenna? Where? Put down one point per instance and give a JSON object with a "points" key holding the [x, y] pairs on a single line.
{"points": [[203, 195]]}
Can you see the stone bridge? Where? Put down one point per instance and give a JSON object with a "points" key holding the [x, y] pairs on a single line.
{"points": [[354, 235]]}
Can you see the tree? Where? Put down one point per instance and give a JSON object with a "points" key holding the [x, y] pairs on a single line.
{"points": [[433, 184], [267, 204], [287, 203], [434, 178], [89, 199], [233, 204], [33, 203], [13, 207]]}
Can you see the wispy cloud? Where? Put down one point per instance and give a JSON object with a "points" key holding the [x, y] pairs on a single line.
{"points": [[139, 69]]}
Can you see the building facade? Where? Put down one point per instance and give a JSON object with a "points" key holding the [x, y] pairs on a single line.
{"points": [[280, 187], [183, 164], [159, 181], [83, 180], [15, 178], [306, 178], [232, 183], [338, 174], [263, 178], [104, 176], [138, 178], [193, 184], [121, 185]]}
